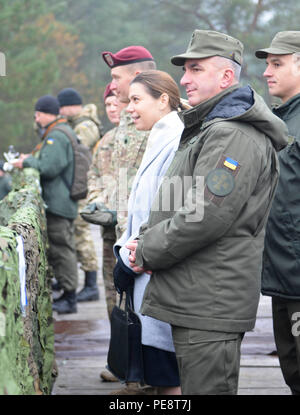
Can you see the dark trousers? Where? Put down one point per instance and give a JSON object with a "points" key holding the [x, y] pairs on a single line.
{"points": [[62, 252], [287, 338]]}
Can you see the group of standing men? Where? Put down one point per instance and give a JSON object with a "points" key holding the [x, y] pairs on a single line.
{"points": [[69, 237], [205, 257]]}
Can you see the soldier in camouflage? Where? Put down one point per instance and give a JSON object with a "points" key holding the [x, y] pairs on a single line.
{"points": [[99, 175], [130, 144], [86, 124], [128, 151], [127, 155]]}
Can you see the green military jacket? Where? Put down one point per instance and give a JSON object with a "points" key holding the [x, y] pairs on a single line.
{"points": [[5, 186], [281, 265], [204, 238], [55, 164]]}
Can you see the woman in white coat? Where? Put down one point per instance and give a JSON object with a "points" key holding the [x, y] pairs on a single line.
{"points": [[154, 104]]}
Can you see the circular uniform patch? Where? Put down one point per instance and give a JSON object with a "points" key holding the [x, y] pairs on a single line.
{"points": [[220, 182]]}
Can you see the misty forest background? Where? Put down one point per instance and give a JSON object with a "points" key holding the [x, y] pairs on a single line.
{"points": [[53, 44]]}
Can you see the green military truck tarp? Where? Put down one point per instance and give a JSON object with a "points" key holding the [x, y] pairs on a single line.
{"points": [[27, 363]]}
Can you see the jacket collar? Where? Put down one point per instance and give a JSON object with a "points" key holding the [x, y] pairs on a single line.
{"points": [[165, 131], [287, 110], [50, 126], [197, 115]]}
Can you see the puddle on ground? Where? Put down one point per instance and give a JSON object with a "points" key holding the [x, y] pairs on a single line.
{"points": [[80, 338], [77, 326]]}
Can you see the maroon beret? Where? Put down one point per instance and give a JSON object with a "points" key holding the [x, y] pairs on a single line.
{"points": [[108, 92], [128, 55]]}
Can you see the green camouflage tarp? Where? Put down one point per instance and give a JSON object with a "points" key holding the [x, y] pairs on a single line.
{"points": [[27, 364]]}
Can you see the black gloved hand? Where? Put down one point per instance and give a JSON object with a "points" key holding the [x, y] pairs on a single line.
{"points": [[123, 276]]}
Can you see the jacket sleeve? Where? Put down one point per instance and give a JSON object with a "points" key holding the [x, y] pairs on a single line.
{"points": [[203, 219], [94, 176], [55, 156], [100, 176]]}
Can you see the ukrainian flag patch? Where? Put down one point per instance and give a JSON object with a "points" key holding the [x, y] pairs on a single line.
{"points": [[230, 163], [50, 141]]}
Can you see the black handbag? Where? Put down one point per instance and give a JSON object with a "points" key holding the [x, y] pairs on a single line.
{"points": [[125, 358]]}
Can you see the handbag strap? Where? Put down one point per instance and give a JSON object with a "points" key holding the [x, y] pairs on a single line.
{"points": [[128, 300], [121, 298]]}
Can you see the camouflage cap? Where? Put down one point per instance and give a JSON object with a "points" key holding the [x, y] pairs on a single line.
{"points": [[208, 43], [283, 43]]}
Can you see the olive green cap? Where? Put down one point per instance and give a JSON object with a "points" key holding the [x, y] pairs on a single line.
{"points": [[283, 43], [208, 43]]}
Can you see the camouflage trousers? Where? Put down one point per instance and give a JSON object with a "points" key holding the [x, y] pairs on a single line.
{"points": [[109, 262], [85, 247]]}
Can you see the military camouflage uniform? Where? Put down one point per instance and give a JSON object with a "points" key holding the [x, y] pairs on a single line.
{"points": [[128, 152], [87, 127], [100, 171], [97, 185], [121, 148]]}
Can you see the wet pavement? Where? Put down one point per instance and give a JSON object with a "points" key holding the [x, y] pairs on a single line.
{"points": [[82, 339], [81, 342]]}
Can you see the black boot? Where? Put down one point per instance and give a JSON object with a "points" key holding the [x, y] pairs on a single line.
{"points": [[90, 291], [66, 304], [61, 297], [56, 286]]}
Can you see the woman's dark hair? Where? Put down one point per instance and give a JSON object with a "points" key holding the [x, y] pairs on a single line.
{"points": [[158, 83]]}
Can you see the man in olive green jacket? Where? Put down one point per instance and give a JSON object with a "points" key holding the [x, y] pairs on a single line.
{"points": [[281, 267], [55, 164], [204, 238]]}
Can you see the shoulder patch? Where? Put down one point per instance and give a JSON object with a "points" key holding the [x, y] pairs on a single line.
{"points": [[220, 182], [50, 140]]}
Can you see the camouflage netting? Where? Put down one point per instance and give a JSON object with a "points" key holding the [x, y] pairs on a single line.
{"points": [[27, 364]]}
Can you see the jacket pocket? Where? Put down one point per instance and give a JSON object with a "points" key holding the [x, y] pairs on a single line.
{"points": [[290, 233]]}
